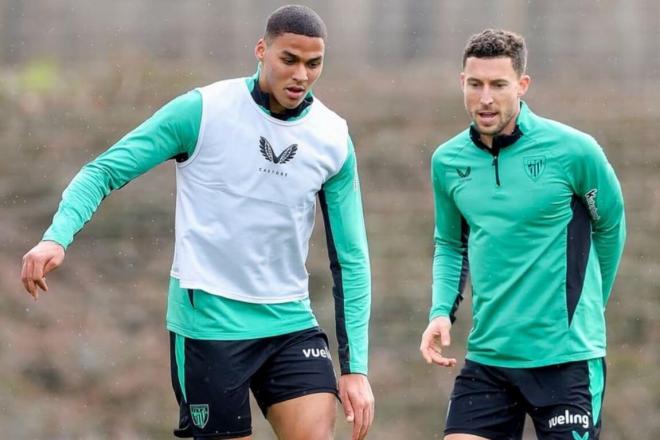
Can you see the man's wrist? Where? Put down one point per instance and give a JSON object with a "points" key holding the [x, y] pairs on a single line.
{"points": [[56, 240], [353, 373], [438, 314]]}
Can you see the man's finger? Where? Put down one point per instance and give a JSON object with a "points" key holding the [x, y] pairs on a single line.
{"points": [[366, 420], [346, 403], [426, 347], [30, 282], [50, 265], [42, 284], [441, 360], [38, 275], [372, 411], [37, 271], [24, 274], [426, 354], [357, 423], [445, 338]]}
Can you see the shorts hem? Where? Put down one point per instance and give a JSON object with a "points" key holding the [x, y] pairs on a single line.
{"points": [[476, 432], [244, 433], [296, 394]]}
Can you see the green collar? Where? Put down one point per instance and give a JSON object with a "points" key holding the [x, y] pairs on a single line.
{"points": [[263, 100]]}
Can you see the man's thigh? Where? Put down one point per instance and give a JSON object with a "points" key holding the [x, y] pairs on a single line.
{"points": [[296, 387], [304, 418], [565, 400], [483, 404]]}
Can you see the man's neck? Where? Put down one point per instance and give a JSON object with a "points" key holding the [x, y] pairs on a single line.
{"points": [[508, 130], [487, 140], [496, 142], [268, 102]]}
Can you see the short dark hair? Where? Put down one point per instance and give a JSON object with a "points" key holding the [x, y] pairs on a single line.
{"points": [[496, 43], [295, 19]]}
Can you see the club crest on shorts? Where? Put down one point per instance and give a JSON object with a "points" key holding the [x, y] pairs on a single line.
{"points": [[200, 415], [534, 166]]}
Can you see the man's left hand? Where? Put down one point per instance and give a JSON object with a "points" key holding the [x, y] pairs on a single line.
{"points": [[358, 401]]}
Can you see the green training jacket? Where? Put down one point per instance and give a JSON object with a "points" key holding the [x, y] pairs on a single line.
{"points": [[539, 221]]}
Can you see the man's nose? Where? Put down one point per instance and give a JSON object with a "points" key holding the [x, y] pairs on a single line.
{"points": [[300, 73], [486, 97]]}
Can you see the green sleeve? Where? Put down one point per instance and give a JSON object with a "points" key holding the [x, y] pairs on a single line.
{"points": [[170, 133], [596, 183], [341, 205], [450, 264]]}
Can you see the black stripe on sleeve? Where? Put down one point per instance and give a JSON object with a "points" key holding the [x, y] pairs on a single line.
{"points": [[337, 290], [465, 269], [578, 244]]}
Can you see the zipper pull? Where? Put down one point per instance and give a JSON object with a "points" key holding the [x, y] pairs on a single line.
{"points": [[497, 168]]}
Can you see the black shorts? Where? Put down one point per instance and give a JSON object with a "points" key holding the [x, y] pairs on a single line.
{"points": [[211, 378], [564, 401]]}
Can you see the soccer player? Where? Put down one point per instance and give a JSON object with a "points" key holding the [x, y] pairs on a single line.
{"points": [[536, 210], [252, 155]]}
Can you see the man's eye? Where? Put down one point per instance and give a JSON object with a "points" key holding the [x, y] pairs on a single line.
{"points": [[288, 60]]}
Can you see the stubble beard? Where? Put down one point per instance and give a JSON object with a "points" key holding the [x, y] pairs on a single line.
{"points": [[491, 131]]}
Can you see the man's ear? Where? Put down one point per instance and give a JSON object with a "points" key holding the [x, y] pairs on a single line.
{"points": [[523, 83], [260, 49]]}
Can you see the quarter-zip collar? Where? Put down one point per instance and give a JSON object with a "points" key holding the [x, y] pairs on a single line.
{"points": [[263, 100], [500, 141], [503, 140]]}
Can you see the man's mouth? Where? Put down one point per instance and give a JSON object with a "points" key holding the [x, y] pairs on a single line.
{"points": [[487, 117], [294, 92]]}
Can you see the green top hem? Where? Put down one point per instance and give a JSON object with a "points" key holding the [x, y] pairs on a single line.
{"points": [[575, 357], [240, 336]]}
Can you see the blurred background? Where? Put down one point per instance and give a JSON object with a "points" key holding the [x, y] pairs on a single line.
{"points": [[90, 359]]}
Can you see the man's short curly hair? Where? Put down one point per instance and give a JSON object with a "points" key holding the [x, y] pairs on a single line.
{"points": [[295, 19], [496, 43]]}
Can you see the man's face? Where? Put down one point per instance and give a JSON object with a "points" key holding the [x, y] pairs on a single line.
{"points": [[291, 64], [492, 91]]}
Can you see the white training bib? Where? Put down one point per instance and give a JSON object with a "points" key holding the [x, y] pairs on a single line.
{"points": [[246, 198]]}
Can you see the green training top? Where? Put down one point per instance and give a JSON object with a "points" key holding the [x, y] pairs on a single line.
{"points": [[540, 220], [171, 133]]}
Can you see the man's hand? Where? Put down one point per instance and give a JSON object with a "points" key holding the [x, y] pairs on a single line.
{"points": [[439, 328], [41, 259], [358, 400]]}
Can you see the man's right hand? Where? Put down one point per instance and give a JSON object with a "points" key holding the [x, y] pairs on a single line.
{"points": [[434, 339], [41, 259]]}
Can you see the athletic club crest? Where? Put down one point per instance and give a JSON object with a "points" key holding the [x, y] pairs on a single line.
{"points": [[534, 166], [200, 415]]}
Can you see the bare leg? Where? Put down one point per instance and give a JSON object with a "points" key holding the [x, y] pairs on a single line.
{"points": [[310, 417], [212, 438], [464, 437]]}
